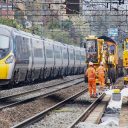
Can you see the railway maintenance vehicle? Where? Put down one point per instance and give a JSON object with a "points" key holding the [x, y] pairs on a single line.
{"points": [[103, 49]]}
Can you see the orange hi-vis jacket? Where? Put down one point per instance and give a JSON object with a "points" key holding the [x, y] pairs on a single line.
{"points": [[101, 71], [91, 73]]}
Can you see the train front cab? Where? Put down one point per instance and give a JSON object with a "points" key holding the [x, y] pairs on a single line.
{"points": [[7, 60]]}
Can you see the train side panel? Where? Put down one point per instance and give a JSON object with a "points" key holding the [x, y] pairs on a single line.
{"points": [[49, 58], [65, 60], [57, 59], [71, 59], [77, 60], [83, 65], [38, 58]]}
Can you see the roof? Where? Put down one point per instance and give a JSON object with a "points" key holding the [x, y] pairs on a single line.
{"points": [[106, 38]]}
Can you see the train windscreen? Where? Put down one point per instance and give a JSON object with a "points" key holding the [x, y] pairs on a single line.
{"points": [[92, 51], [112, 49], [4, 46]]}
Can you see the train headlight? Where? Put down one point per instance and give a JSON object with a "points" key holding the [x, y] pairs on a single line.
{"points": [[10, 59]]}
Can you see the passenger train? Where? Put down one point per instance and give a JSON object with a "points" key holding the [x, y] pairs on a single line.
{"points": [[28, 57]]}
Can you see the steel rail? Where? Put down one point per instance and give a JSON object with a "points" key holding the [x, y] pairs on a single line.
{"points": [[35, 90], [86, 113], [40, 115], [35, 97]]}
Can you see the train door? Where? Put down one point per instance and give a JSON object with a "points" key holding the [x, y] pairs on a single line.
{"points": [[65, 60], [49, 57], [23, 54], [57, 58], [71, 59], [38, 57]]}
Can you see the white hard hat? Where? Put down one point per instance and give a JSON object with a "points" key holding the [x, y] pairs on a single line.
{"points": [[90, 63], [101, 63]]}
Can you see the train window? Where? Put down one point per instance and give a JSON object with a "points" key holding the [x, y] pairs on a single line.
{"points": [[82, 58], [38, 52], [57, 54], [65, 55], [92, 51], [112, 49], [49, 53], [37, 46], [71, 56], [22, 47], [77, 57]]}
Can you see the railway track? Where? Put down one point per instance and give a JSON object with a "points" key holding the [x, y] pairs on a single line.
{"points": [[87, 112], [41, 92], [39, 86], [39, 116]]}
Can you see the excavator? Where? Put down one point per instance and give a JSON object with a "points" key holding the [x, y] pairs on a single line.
{"points": [[103, 49]]}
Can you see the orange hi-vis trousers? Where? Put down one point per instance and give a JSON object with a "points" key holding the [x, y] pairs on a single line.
{"points": [[92, 86], [101, 80]]}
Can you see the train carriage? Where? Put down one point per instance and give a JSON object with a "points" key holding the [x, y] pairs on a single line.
{"points": [[26, 57]]}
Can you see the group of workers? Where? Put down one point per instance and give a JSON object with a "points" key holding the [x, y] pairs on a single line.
{"points": [[91, 73]]}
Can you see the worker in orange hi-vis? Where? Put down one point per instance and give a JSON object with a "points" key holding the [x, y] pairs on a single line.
{"points": [[101, 75], [91, 74]]}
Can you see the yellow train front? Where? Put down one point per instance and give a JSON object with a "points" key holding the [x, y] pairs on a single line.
{"points": [[7, 60], [125, 61]]}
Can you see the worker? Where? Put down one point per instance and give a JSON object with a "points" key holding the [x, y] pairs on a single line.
{"points": [[91, 74], [101, 75]]}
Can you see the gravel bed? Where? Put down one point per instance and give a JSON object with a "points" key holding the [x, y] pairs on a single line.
{"points": [[12, 116], [65, 116], [45, 91], [36, 86]]}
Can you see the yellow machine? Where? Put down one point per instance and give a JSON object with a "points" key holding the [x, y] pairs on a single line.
{"points": [[103, 49], [125, 61]]}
